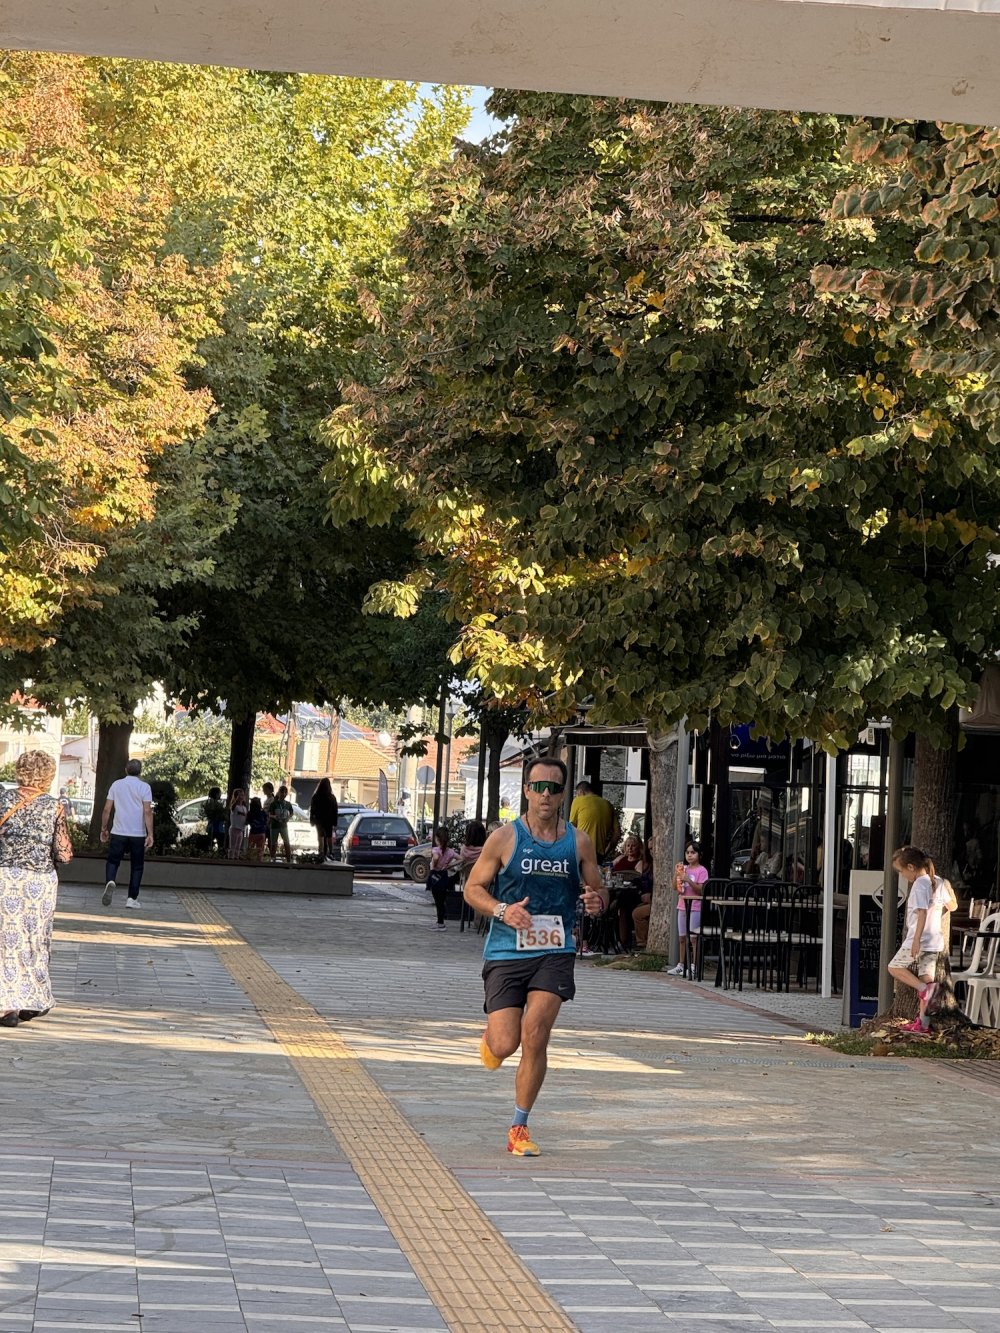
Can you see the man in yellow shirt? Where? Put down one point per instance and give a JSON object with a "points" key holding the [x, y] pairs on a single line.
{"points": [[596, 817]]}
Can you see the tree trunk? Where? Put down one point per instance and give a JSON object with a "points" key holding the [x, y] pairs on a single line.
{"points": [[495, 734], [934, 793], [241, 754], [112, 755], [663, 760], [934, 802]]}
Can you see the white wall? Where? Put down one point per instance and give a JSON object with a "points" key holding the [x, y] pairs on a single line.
{"points": [[931, 59]]}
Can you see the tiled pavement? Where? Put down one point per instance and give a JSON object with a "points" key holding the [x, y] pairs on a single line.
{"points": [[162, 1167]]}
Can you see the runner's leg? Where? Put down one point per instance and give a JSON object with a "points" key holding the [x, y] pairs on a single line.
{"points": [[503, 1031], [540, 1014]]}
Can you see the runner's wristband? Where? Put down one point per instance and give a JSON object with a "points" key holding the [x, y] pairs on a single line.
{"points": [[500, 911]]}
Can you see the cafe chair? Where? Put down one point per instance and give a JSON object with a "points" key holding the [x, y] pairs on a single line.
{"points": [[761, 935], [709, 934], [803, 945], [980, 980]]}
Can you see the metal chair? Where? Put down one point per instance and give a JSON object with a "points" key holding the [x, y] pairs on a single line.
{"points": [[761, 935], [721, 898], [804, 936]]}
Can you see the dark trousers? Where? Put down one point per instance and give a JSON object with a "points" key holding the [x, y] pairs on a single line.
{"points": [[440, 896], [136, 848]]}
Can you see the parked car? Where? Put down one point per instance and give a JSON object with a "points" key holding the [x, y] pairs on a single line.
{"points": [[81, 809], [417, 862], [374, 841], [190, 816], [345, 817]]}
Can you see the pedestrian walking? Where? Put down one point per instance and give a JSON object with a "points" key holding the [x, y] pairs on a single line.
{"points": [[593, 815], [238, 813], [915, 962], [444, 865], [323, 813], [279, 812], [131, 800], [537, 868], [34, 839], [257, 826], [215, 819], [690, 878]]}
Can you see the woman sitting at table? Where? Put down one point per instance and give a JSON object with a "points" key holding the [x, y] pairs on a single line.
{"points": [[631, 855], [642, 895]]}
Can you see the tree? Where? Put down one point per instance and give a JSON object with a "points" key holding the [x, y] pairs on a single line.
{"points": [[89, 365], [650, 402], [337, 170], [649, 422], [127, 440], [193, 755]]}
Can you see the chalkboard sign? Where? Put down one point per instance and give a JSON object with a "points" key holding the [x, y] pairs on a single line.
{"points": [[869, 948]]}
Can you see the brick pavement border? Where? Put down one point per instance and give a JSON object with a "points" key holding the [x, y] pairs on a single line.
{"points": [[473, 1276]]}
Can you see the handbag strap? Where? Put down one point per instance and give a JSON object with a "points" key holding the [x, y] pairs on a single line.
{"points": [[21, 805]]}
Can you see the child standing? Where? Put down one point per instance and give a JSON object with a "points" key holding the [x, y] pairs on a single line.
{"points": [[444, 862], [257, 825], [215, 818], [690, 879], [237, 823], [924, 939]]}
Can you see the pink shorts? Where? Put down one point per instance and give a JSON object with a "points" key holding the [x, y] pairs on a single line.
{"points": [[695, 918]]}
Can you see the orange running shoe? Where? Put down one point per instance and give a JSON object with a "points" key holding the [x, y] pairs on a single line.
{"points": [[490, 1060], [519, 1142]]}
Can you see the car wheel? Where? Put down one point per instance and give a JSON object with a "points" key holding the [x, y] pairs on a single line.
{"points": [[419, 869]]}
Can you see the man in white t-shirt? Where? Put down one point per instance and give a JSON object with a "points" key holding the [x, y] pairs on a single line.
{"points": [[132, 830]]}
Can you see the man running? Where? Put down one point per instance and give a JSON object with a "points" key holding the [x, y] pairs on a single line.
{"points": [[536, 868]]}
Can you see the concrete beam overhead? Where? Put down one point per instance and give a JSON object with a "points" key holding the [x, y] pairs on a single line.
{"points": [[927, 59]]}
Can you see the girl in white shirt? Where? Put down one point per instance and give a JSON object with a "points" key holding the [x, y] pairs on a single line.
{"points": [[915, 963]]}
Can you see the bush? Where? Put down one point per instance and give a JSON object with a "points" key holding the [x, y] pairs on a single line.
{"points": [[165, 830]]}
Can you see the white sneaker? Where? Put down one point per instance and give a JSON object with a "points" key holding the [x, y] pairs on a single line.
{"points": [[677, 971], [109, 889], [133, 903]]}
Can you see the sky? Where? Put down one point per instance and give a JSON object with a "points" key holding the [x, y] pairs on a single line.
{"points": [[482, 125]]}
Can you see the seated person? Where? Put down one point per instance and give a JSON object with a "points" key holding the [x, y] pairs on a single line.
{"points": [[642, 890], [631, 855]]}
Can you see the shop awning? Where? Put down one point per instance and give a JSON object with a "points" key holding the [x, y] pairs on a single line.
{"points": [[629, 737], [929, 59]]}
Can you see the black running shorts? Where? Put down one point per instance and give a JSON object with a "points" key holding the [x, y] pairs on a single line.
{"points": [[508, 982]]}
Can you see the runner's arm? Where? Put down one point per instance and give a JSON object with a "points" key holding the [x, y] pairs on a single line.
{"points": [[595, 896]]}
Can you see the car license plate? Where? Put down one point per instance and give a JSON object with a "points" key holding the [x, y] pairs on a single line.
{"points": [[383, 842], [545, 932]]}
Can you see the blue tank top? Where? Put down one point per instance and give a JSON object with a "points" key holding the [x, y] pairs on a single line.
{"points": [[548, 875]]}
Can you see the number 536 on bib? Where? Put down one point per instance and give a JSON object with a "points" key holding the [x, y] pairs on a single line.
{"points": [[545, 932]]}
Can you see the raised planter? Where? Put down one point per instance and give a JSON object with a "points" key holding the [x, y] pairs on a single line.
{"points": [[176, 872]]}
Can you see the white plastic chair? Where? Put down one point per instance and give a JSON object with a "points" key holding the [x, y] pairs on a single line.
{"points": [[982, 984]]}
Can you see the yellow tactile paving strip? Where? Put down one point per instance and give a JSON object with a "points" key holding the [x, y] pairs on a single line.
{"points": [[470, 1272]]}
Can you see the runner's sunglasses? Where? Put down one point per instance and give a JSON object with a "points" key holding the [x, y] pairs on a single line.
{"points": [[553, 788]]}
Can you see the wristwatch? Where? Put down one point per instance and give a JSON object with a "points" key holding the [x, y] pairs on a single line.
{"points": [[500, 911]]}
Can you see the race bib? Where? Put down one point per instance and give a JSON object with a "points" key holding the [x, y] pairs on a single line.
{"points": [[545, 932]]}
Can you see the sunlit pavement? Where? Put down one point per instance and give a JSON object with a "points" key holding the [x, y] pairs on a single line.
{"points": [[162, 1165]]}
